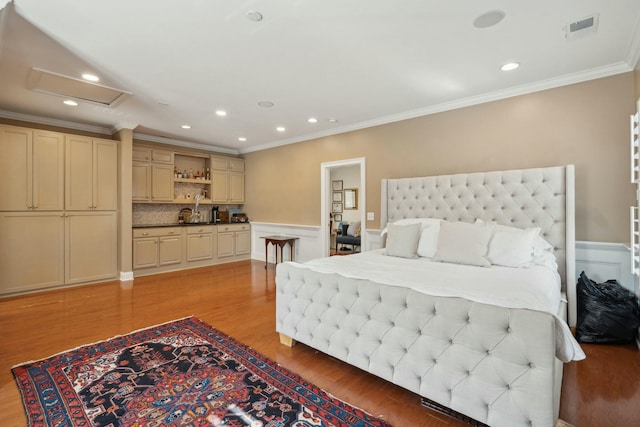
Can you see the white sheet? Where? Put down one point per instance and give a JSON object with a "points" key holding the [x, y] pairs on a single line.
{"points": [[536, 288]]}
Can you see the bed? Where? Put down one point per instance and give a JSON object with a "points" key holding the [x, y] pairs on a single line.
{"points": [[485, 342]]}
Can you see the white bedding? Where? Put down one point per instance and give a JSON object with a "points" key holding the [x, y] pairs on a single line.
{"points": [[535, 288]]}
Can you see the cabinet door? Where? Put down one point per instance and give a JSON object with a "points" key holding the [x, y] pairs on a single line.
{"points": [[31, 251], [141, 178], [219, 186], [79, 173], [48, 170], [105, 175], [15, 168], [236, 187], [141, 154], [170, 250], [199, 246], [162, 156], [161, 183], [236, 165], [225, 244], [91, 246], [243, 242], [219, 163], [145, 252]]}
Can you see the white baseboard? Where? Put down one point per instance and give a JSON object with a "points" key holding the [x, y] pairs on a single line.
{"points": [[126, 276]]}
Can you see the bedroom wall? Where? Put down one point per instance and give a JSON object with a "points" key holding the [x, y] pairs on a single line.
{"points": [[586, 124]]}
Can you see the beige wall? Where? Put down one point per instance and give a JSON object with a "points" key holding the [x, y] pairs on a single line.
{"points": [[585, 124]]}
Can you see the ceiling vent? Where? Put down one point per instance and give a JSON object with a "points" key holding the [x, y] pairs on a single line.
{"points": [[583, 27], [68, 87]]}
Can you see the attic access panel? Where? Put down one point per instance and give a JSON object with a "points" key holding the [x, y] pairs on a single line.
{"points": [[68, 87]]}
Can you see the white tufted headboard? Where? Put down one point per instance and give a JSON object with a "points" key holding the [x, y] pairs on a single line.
{"points": [[541, 197]]}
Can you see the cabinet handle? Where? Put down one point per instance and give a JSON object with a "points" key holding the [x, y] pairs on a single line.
{"points": [[171, 232], [145, 234]]}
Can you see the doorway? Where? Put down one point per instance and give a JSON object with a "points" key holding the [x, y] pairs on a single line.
{"points": [[352, 173]]}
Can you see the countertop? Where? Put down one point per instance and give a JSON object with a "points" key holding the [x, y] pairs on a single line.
{"points": [[186, 224]]}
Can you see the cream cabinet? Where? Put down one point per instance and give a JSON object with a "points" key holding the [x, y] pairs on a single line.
{"points": [[227, 178], [152, 175], [234, 240], [31, 251], [161, 183], [153, 247], [31, 169], [91, 246], [200, 242], [91, 172]]}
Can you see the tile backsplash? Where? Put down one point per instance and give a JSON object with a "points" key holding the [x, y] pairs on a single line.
{"points": [[159, 213]]}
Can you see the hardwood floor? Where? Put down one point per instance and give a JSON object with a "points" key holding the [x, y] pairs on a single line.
{"points": [[239, 299]]}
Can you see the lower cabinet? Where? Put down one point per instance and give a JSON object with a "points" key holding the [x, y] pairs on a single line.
{"points": [[31, 251], [158, 249], [154, 247], [91, 246], [43, 250], [234, 240], [200, 242]]}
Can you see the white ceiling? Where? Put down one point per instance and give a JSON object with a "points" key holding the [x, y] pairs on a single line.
{"points": [[360, 62]]}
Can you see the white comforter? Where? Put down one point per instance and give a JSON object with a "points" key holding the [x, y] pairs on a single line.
{"points": [[536, 288]]}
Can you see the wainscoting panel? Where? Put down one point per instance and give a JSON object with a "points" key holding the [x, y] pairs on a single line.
{"points": [[307, 247], [604, 261]]}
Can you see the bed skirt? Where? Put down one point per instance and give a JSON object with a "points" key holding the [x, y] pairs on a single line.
{"points": [[496, 365]]}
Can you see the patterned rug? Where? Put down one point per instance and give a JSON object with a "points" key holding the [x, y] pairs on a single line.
{"points": [[183, 373]]}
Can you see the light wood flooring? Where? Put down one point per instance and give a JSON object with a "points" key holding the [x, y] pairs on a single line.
{"points": [[239, 299]]}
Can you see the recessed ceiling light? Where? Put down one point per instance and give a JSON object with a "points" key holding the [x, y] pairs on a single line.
{"points": [[70, 102], [312, 120], [254, 15], [266, 104], [185, 127], [221, 113], [90, 77], [489, 19], [509, 66], [332, 120], [281, 128], [242, 139]]}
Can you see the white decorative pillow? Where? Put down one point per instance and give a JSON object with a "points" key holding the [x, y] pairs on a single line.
{"points": [[512, 247], [402, 240], [463, 243], [354, 229], [405, 221], [428, 243]]}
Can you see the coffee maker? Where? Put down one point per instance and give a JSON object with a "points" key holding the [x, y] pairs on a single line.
{"points": [[215, 215]]}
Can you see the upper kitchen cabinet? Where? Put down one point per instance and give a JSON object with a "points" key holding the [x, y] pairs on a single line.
{"points": [[31, 169], [227, 178], [152, 175], [91, 169]]}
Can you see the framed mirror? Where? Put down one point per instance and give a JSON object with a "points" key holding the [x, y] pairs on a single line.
{"points": [[351, 198]]}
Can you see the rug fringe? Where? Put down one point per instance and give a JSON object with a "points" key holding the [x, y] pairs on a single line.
{"points": [[108, 339]]}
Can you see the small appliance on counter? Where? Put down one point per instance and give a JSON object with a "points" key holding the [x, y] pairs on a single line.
{"points": [[184, 216], [239, 217], [215, 215]]}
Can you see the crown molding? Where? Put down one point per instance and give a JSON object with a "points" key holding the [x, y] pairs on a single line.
{"points": [[569, 79], [184, 144], [55, 122]]}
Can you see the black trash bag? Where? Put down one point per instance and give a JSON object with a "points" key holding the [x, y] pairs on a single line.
{"points": [[607, 312]]}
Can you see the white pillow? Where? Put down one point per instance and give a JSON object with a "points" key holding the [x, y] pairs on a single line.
{"points": [[463, 243], [543, 253], [512, 248], [402, 240], [428, 243], [354, 229], [405, 221]]}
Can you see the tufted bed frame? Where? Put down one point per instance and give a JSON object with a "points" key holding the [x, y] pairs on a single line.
{"points": [[500, 369]]}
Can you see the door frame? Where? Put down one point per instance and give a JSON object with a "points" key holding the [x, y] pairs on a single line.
{"points": [[325, 199]]}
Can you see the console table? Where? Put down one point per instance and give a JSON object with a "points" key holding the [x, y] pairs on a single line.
{"points": [[280, 241]]}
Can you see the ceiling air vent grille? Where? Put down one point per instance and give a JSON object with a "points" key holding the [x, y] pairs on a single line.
{"points": [[68, 87], [588, 25]]}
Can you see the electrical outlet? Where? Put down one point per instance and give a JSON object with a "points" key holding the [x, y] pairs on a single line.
{"points": [[370, 216]]}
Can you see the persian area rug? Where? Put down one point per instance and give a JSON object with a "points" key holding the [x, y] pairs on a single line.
{"points": [[183, 373]]}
